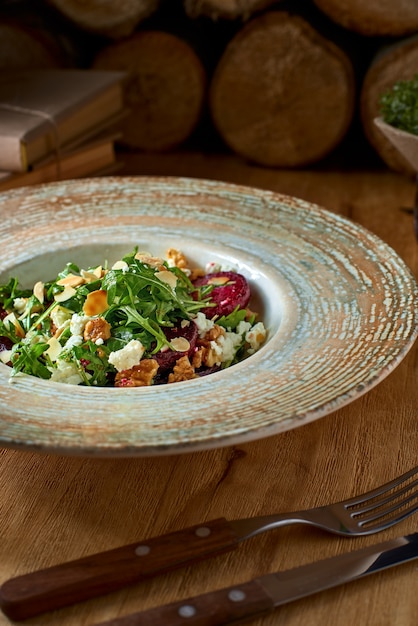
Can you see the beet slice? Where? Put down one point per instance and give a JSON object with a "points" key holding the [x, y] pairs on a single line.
{"points": [[167, 359], [5, 344], [226, 295]]}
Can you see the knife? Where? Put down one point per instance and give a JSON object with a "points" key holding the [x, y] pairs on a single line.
{"points": [[262, 595]]}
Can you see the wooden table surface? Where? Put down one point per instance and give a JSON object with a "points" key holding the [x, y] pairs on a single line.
{"points": [[54, 508]]}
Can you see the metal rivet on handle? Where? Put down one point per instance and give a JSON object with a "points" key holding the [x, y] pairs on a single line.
{"points": [[203, 531], [142, 550], [236, 595], [187, 610]]}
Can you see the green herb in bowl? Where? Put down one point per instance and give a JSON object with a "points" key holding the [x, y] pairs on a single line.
{"points": [[399, 106]]}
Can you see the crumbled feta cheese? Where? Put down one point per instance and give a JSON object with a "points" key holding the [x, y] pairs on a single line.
{"points": [[74, 340], [226, 345], [61, 317], [243, 327], [230, 342], [127, 357], [66, 373], [256, 336], [213, 267], [19, 304], [78, 323], [203, 324]]}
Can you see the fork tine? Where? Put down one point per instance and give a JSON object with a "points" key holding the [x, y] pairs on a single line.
{"points": [[397, 507], [382, 489], [378, 503], [382, 525]]}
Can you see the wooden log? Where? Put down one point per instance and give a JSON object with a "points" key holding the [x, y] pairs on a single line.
{"points": [[373, 17], [392, 64], [66, 45], [112, 18], [26, 48], [165, 88], [225, 9], [282, 95]]}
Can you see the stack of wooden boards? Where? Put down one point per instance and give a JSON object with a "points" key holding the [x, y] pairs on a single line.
{"points": [[57, 124], [280, 82]]}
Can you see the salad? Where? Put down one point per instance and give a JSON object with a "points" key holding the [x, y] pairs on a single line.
{"points": [[143, 321]]}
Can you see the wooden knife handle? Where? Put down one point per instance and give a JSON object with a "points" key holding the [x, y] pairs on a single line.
{"points": [[91, 576], [229, 605]]}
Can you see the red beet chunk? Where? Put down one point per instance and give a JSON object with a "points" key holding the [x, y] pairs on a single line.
{"points": [[167, 359], [6, 344], [226, 295]]}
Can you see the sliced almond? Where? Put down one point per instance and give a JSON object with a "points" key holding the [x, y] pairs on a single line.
{"points": [[219, 280], [59, 331], [96, 303], [54, 348], [11, 319], [71, 280], [90, 277], [5, 356], [153, 261], [38, 291], [120, 265], [167, 277], [180, 344], [69, 292]]}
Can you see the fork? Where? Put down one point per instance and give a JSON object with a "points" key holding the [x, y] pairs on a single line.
{"points": [[91, 576]]}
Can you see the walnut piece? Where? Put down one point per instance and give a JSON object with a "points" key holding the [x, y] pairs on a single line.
{"points": [[97, 328], [213, 334], [140, 375], [206, 353], [177, 258], [183, 370]]}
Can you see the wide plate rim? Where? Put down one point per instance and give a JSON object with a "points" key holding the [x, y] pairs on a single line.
{"points": [[237, 192]]}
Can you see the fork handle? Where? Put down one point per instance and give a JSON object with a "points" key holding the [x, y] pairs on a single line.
{"points": [[68, 583]]}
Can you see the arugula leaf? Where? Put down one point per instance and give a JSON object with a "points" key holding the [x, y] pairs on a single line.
{"points": [[9, 331], [10, 291], [152, 327], [26, 359], [233, 319], [93, 368], [42, 317]]}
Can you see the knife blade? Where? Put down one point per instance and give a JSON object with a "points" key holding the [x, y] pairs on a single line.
{"points": [[262, 595]]}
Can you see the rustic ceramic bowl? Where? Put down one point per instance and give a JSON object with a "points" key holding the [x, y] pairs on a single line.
{"points": [[405, 143], [340, 307]]}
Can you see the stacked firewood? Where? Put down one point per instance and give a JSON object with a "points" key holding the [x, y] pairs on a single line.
{"points": [[280, 83]]}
